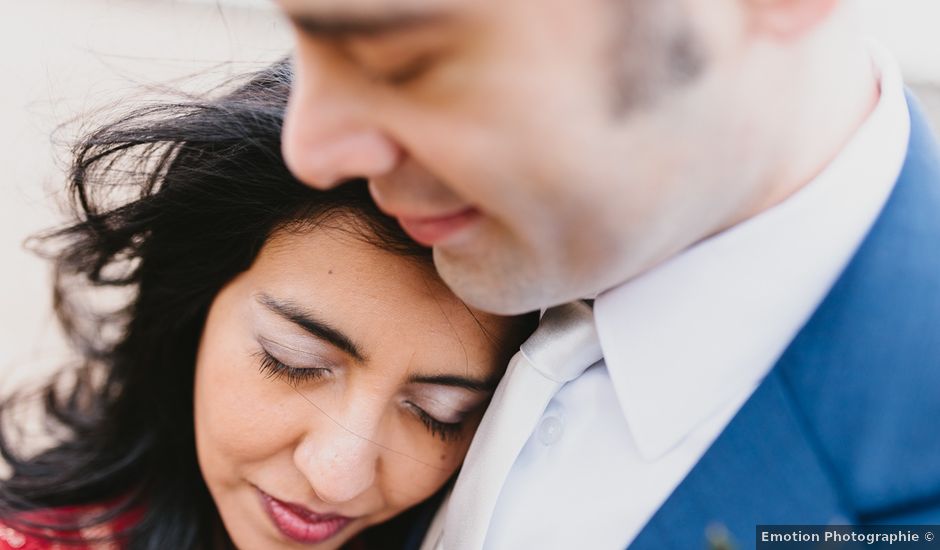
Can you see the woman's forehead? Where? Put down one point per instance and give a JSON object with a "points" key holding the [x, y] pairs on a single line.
{"points": [[383, 297]]}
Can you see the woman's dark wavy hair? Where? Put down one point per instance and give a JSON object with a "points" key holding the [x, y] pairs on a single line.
{"points": [[172, 201]]}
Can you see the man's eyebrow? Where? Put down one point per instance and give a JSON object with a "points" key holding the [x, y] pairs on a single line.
{"points": [[360, 24], [309, 322], [467, 383]]}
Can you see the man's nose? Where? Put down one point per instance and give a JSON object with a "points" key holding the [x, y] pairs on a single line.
{"points": [[328, 137], [339, 464]]}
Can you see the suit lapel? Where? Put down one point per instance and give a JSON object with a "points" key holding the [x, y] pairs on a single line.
{"points": [[771, 465], [785, 480]]}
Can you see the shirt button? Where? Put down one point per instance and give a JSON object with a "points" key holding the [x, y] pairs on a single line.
{"points": [[550, 429]]}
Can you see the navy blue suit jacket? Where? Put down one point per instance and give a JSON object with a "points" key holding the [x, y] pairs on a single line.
{"points": [[843, 428]]}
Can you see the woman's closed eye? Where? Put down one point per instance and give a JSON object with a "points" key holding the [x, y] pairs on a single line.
{"points": [[272, 367], [446, 431]]}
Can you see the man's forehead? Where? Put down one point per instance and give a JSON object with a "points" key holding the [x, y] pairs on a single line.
{"points": [[364, 8], [365, 17]]}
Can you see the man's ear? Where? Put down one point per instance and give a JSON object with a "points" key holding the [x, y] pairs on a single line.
{"points": [[787, 19]]}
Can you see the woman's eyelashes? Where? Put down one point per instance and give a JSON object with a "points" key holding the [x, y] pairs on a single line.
{"points": [[271, 367], [446, 431]]}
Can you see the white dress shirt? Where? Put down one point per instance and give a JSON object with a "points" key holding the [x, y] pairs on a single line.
{"points": [[686, 344]]}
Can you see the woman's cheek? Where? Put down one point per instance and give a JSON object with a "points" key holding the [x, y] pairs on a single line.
{"points": [[411, 481], [241, 415]]}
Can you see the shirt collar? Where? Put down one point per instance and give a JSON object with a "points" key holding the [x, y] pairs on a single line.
{"points": [[682, 340]]}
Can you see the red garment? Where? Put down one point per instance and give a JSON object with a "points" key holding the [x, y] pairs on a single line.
{"points": [[12, 538]]}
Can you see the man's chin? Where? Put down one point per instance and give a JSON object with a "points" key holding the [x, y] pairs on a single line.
{"points": [[491, 282]]}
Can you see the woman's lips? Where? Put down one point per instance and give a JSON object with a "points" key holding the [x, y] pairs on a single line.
{"points": [[432, 230], [299, 523]]}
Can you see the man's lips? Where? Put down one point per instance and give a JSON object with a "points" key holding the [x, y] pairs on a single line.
{"points": [[431, 230], [299, 523]]}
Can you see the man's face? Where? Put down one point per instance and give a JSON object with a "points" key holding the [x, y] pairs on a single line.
{"points": [[546, 149]]}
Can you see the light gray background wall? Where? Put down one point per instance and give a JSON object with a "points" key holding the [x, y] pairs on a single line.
{"points": [[61, 58]]}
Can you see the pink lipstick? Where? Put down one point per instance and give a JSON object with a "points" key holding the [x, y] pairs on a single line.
{"points": [[299, 523]]}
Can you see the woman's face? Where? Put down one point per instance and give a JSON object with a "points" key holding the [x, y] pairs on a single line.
{"points": [[336, 385]]}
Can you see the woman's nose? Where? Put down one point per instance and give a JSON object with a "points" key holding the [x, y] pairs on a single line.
{"points": [[338, 463], [329, 135]]}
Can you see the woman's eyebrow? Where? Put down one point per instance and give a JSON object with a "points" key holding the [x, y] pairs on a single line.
{"points": [[473, 384], [309, 322]]}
